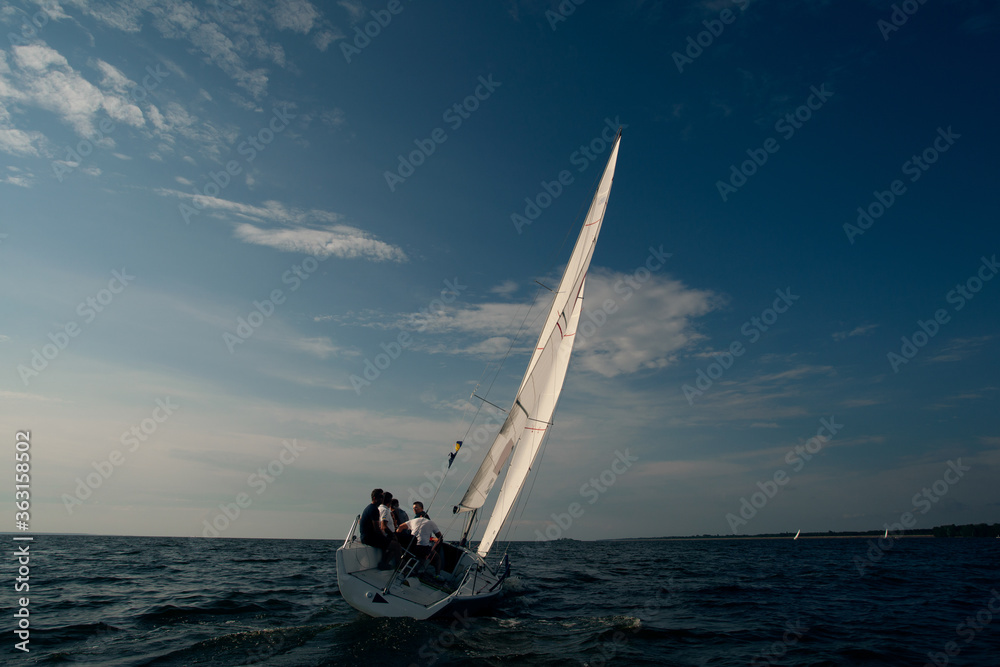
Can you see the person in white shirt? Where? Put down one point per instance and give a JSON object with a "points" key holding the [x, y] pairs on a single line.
{"points": [[422, 530], [393, 550], [385, 520]]}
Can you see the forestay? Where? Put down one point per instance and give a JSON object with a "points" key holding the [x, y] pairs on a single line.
{"points": [[521, 435]]}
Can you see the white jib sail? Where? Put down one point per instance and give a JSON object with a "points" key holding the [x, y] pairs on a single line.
{"points": [[522, 434]]}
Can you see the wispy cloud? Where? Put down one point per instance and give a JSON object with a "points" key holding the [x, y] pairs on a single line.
{"points": [[20, 178], [230, 35], [764, 397], [302, 231], [295, 15], [25, 396], [19, 142], [856, 331], [949, 402], [958, 349], [506, 288], [336, 241], [355, 10], [860, 402], [321, 347], [38, 76]]}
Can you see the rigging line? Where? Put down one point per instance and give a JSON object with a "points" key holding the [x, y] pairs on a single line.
{"points": [[454, 518], [472, 531], [513, 340], [496, 374], [545, 286], [524, 504], [492, 382], [576, 220], [448, 470], [470, 469], [552, 254], [551, 257], [491, 403], [472, 423]]}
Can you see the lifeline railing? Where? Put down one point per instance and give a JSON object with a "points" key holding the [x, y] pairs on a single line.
{"points": [[350, 533]]}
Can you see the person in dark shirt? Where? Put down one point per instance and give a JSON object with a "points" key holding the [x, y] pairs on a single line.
{"points": [[369, 518], [398, 514], [372, 535]]}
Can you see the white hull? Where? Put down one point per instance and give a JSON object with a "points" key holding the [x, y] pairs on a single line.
{"points": [[469, 583]]}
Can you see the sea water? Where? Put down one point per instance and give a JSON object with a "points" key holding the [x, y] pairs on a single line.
{"points": [[174, 601]]}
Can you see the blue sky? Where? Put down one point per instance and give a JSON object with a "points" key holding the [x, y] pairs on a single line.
{"points": [[207, 228]]}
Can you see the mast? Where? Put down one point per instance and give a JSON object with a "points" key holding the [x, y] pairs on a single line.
{"points": [[520, 438]]}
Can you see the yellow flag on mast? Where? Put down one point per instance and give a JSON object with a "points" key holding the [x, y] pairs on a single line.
{"points": [[451, 458]]}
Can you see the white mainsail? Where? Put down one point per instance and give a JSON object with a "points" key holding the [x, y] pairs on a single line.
{"points": [[521, 435]]}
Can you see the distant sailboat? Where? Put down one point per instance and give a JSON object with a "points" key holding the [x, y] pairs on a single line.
{"points": [[468, 580], [886, 533], [797, 534]]}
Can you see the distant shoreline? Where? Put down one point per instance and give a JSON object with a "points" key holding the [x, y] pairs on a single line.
{"points": [[852, 536]]}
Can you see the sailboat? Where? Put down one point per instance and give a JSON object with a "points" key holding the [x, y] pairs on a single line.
{"points": [[797, 534], [469, 581]]}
